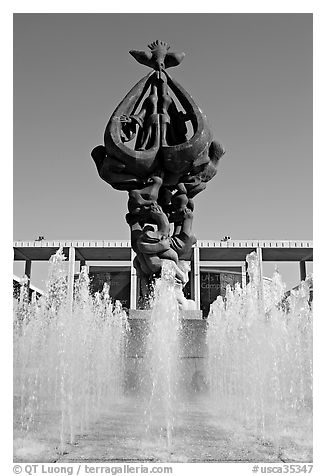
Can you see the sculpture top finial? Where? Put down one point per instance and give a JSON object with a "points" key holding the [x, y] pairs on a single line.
{"points": [[159, 57], [158, 45]]}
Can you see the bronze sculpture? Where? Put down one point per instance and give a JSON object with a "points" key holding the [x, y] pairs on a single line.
{"points": [[158, 147]]}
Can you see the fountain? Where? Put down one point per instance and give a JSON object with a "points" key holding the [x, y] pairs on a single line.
{"points": [[163, 349], [70, 376], [68, 361], [88, 387], [260, 355]]}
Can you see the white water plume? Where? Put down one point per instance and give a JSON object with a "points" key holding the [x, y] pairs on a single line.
{"points": [[68, 363], [163, 354], [260, 352]]}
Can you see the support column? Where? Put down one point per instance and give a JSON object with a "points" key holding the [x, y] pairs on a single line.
{"points": [[133, 282], [247, 274], [28, 272], [82, 263], [71, 275], [260, 284], [303, 271], [244, 275], [28, 268], [197, 277], [260, 262]]}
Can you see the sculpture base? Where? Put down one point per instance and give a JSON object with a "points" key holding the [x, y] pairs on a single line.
{"points": [[193, 350], [146, 314]]}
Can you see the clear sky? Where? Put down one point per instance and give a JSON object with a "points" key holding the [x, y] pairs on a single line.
{"points": [[250, 73]]}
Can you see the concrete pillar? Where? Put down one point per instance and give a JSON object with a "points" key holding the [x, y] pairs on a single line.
{"points": [[192, 280], [82, 263], [244, 275], [133, 282], [28, 272], [259, 252], [71, 275], [260, 286], [28, 268], [247, 274], [197, 276], [303, 271]]}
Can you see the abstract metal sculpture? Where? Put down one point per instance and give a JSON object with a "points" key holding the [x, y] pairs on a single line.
{"points": [[158, 147]]}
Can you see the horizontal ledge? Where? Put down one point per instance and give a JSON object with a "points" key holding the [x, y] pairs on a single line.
{"points": [[273, 250], [144, 314], [180, 357], [199, 244]]}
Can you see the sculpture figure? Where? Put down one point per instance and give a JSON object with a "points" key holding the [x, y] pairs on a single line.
{"points": [[163, 155]]}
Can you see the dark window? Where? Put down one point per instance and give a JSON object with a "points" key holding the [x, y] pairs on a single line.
{"points": [[118, 278], [213, 283]]}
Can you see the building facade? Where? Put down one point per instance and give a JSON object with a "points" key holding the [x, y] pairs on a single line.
{"points": [[214, 264]]}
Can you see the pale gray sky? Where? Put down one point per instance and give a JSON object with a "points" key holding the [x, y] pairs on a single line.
{"points": [[250, 73]]}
